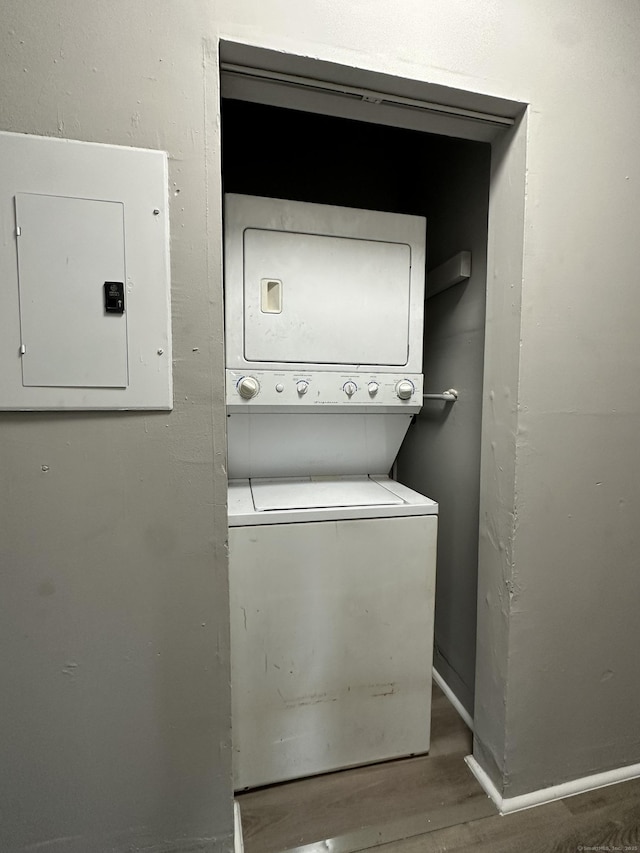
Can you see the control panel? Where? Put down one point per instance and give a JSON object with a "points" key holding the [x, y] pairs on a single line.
{"points": [[323, 389]]}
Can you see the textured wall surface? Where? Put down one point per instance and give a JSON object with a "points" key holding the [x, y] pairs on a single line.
{"points": [[114, 597], [113, 610]]}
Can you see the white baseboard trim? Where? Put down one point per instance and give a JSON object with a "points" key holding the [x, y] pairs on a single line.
{"points": [[490, 789], [451, 696], [507, 805], [238, 843]]}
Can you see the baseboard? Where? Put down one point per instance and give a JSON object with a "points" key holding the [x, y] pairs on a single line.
{"points": [[238, 843], [451, 696], [508, 805]]}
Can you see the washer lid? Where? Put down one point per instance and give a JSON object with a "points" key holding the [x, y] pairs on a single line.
{"points": [[318, 492]]}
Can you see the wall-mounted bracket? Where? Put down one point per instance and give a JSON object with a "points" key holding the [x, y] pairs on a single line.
{"points": [[453, 271]]}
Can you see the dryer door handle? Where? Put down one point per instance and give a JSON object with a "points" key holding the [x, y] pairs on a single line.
{"points": [[271, 296]]}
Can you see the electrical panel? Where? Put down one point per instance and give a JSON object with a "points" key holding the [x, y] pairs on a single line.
{"points": [[84, 276]]}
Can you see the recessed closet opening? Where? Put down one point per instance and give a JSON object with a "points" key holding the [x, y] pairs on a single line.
{"points": [[285, 138], [282, 153]]}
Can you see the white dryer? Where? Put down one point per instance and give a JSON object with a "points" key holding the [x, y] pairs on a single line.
{"points": [[332, 564]]}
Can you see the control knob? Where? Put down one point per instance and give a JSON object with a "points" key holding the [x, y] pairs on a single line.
{"points": [[248, 387], [349, 388], [373, 388], [302, 387], [404, 389]]}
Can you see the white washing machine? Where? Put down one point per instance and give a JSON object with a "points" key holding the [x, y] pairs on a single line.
{"points": [[332, 589], [332, 563]]}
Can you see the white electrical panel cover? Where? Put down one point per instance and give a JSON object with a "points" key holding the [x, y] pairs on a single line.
{"points": [[84, 271], [321, 287]]}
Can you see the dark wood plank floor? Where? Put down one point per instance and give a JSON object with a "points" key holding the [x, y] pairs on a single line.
{"points": [[426, 792], [431, 804], [606, 820]]}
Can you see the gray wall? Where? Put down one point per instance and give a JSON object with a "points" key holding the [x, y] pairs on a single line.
{"points": [[113, 604], [441, 453], [134, 745]]}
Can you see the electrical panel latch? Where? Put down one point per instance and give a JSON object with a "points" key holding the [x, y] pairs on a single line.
{"points": [[114, 297]]}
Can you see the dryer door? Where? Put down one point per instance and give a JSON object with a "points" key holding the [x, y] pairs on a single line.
{"points": [[319, 299]]}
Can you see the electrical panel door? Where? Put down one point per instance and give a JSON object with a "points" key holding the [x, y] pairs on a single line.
{"points": [[67, 249]]}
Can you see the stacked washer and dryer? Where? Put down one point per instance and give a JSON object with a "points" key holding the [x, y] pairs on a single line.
{"points": [[332, 563]]}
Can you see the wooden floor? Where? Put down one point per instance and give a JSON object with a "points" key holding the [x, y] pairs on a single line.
{"points": [[431, 804]]}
